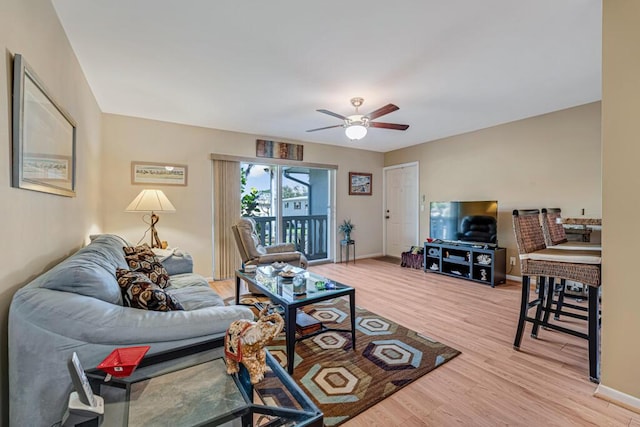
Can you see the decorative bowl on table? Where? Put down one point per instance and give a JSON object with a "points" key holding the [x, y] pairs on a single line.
{"points": [[122, 361], [287, 275]]}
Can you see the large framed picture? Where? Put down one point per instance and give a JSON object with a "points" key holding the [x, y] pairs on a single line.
{"points": [[360, 183], [158, 173], [44, 137]]}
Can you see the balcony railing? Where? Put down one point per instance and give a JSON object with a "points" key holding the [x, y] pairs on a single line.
{"points": [[307, 232]]}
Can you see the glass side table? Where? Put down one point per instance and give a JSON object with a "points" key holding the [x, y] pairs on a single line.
{"points": [[190, 386], [344, 246]]}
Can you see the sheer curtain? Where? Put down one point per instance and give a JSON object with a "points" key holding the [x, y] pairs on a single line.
{"points": [[226, 212]]}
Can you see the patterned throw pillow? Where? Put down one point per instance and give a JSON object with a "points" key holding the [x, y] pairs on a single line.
{"points": [[139, 292], [143, 260]]}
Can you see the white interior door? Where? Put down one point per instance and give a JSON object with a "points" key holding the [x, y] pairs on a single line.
{"points": [[401, 208]]}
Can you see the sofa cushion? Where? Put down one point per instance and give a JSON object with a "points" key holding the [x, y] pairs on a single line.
{"points": [[189, 280], [577, 246], [175, 260], [193, 292], [560, 255], [138, 291], [85, 278], [91, 271], [195, 297], [143, 260]]}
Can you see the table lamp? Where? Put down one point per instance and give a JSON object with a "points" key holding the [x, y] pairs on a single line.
{"points": [[151, 201]]}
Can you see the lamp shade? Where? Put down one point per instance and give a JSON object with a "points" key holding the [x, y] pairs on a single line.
{"points": [[355, 132], [151, 201]]}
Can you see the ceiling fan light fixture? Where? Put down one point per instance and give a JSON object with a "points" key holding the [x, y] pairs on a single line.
{"points": [[356, 125], [355, 132]]}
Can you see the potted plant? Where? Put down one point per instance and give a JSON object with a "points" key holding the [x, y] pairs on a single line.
{"points": [[345, 228]]}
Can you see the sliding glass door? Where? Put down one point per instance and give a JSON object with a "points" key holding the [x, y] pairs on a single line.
{"points": [[290, 204]]}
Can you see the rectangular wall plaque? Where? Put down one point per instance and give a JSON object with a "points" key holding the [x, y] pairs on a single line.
{"points": [[158, 173], [278, 150]]}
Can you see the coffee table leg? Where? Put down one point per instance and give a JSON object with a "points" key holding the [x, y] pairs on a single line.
{"points": [[352, 306], [237, 290], [290, 333]]}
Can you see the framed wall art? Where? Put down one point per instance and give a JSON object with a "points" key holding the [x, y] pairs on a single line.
{"points": [[145, 173], [44, 137], [279, 150], [360, 183]]}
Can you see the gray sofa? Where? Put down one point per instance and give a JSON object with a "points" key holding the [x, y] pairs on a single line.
{"points": [[77, 306]]}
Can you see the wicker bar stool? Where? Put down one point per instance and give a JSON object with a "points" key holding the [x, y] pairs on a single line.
{"points": [[542, 262], [556, 238]]}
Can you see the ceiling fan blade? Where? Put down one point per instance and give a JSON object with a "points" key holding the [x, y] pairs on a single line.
{"points": [[331, 113], [326, 127], [393, 126], [389, 108]]}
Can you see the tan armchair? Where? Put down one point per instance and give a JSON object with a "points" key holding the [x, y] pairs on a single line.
{"points": [[253, 253]]}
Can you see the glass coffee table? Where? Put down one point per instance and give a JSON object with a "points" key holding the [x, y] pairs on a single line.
{"points": [[280, 290], [190, 386]]}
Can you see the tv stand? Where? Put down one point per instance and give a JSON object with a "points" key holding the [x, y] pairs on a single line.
{"points": [[466, 261]]}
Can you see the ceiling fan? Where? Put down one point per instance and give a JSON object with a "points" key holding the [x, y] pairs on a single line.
{"points": [[357, 124]]}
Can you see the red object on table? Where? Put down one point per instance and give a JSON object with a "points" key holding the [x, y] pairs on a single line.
{"points": [[121, 362]]}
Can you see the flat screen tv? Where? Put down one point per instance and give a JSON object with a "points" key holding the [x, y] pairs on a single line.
{"points": [[467, 222]]}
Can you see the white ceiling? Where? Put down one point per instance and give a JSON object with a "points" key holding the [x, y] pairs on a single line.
{"points": [[264, 67]]}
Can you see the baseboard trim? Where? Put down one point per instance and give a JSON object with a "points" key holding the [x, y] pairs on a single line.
{"points": [[337, 260], [617, 397], [377, 254]]}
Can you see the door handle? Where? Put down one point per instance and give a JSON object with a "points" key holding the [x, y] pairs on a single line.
{"points": [[387, 217]]}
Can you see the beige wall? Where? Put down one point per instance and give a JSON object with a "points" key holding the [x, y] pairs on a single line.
{"points": [[551, 160], [621, 175], [189, 228], [40, 229]]}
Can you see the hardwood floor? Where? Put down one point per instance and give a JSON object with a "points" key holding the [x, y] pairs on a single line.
{"points": [[489, 384]]}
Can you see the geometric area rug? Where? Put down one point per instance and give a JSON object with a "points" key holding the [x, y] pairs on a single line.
{"points": [[342, 382]]}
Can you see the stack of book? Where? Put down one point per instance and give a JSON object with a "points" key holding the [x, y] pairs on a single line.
{"points": [[306, 324]]}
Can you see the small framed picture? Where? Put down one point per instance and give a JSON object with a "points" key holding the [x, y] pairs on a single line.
{"points": [[158, 173], [360, 184]]}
